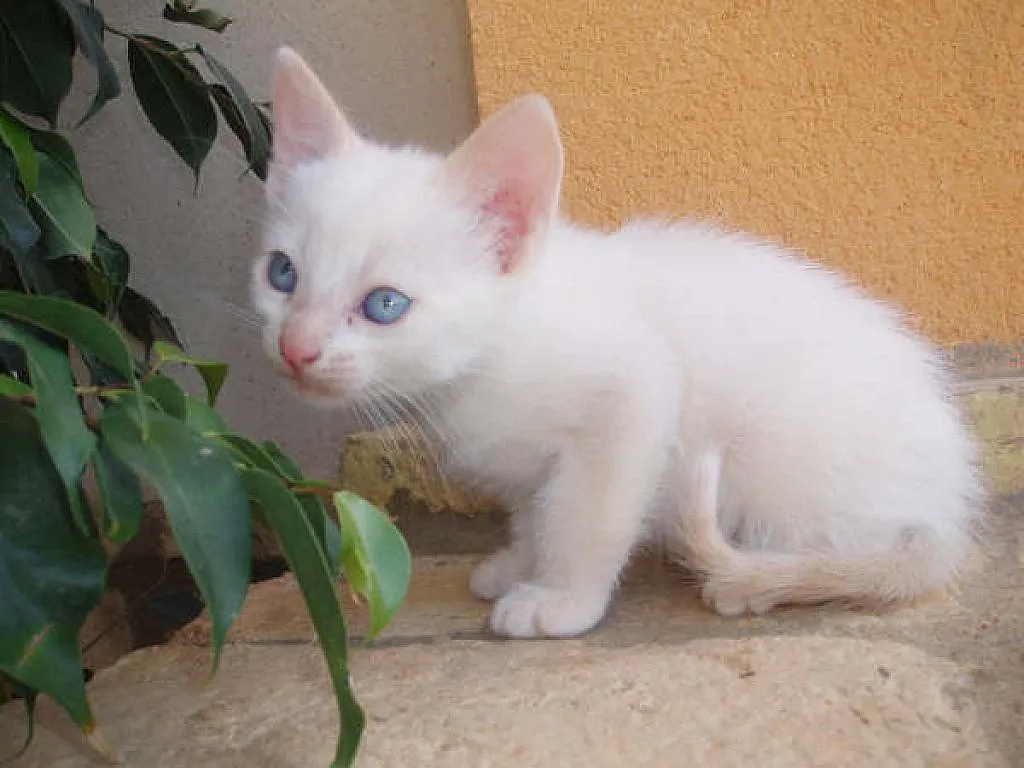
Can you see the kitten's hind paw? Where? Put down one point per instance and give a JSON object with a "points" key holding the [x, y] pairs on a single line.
{"points": [[530, 610], [740, 594], [497, 574]]}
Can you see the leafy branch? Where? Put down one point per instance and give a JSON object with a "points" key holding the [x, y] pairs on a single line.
{"points": [[124, 419]]}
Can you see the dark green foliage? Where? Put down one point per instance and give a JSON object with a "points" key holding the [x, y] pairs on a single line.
{"points": [[51, 573], [36, 46], [65, 295], [174, 97]]}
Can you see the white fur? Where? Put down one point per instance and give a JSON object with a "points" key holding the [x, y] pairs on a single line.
{"points": [[773, 424]]}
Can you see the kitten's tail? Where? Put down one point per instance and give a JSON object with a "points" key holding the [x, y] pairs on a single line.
{"points": [[926, 561]]}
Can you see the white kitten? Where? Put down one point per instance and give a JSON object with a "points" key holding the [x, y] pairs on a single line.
{"points": [[779, 429]]}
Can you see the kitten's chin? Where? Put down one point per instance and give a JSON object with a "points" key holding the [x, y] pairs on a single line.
{"points": [[318, 394], [322, 402]]}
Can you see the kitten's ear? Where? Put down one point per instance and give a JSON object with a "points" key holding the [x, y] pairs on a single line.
{"points": [[308, 125], [510, 168]]}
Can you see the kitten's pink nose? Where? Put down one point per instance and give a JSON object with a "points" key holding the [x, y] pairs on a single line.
{"points": [[299, 351]]}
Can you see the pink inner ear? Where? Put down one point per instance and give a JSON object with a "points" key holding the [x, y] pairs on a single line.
{"points": [[509, 206]]}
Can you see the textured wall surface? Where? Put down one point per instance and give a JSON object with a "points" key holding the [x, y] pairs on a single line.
{"points": [[403, 70], [883, 138]]}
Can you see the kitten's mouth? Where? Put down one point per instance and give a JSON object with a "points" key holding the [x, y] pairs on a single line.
{"points": [[311, 387]]}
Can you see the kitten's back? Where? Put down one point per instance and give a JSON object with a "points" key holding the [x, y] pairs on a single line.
{"points": [[838, 420]]}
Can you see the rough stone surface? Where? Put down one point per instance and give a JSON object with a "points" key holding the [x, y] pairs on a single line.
{"points": [[661, 683], [107, 634], [397, 472], [737, 702], [379, 465], [997, 413]]}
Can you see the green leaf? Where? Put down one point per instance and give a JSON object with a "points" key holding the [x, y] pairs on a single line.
{"points": [[101, 374], [12, 387], [248, 452], [144, 321], [65, 278], [78, 324], [120, 493], [286, 466], [202, 418], [71, 276], [57, 148], [81, 325], [212, 371], [241, 115], [307, 561], [375, 557], [16, 137], [36, 48], [203, 17], [166, 392], [326, 529], [310, 482], [87, 22], [9, 277], [86, 328], [12, 361], [68, 440], [257, 158], [114, 263], [68, 222], [36, 273], [174, 97], [18, 230], [252, 455], [51, 576], [205, 502]]}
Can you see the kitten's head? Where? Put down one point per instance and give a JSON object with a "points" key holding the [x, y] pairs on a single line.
{"points": [[388, 269]]}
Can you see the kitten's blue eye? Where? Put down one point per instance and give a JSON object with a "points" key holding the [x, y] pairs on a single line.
{"points": [[385, 305], [281, 272]]}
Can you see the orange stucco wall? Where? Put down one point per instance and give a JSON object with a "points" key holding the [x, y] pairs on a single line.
{"points": [[885, 138]]}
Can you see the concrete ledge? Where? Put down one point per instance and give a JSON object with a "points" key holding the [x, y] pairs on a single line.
{"points": [[996, 409], [399, 474], [991, 391], [661, 682]]}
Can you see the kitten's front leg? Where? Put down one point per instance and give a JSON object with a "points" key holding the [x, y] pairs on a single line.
{"points": [[586, 523], [496, 575]]}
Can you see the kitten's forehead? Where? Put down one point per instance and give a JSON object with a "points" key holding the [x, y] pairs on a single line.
{"points": [[365, 217], [363, 190], [369, 178]]}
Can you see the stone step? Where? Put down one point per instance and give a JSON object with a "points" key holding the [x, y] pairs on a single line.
{"points": [[662, 682]]}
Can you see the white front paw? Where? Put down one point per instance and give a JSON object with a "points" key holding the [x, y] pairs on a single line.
{"points": [[497, 574], [529, 610]]}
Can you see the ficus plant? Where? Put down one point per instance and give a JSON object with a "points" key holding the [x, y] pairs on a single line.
{"points": [[91, 412]]}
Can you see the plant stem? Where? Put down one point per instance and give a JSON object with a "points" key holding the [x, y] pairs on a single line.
{"points": [[83, 391], [327, 491], [152, 371], [117, 32]]}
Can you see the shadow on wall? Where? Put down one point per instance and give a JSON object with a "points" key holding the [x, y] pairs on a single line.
{"points": [[401, 68]]}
